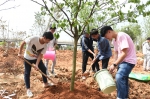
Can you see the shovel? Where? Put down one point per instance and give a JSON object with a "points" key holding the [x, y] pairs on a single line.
{"points": [[39, 70], [88, 72]]}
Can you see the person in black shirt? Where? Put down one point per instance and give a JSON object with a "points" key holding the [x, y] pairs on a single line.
{"points": [[87, 51]]}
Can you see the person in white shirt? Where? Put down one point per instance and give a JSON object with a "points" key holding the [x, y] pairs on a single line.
{"points": [[146, 52], [51, 46], [35, 48]]}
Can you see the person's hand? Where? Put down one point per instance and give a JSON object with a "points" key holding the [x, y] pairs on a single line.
{"points": [[52, 49], [36, 67], [20, 56], [94, 55], [111, 69]]}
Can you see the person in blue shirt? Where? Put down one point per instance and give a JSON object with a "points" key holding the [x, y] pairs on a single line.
{"points": [[87, 51], [103, 47]]}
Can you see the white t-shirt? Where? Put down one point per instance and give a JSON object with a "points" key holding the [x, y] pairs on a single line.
{"points": [[34, 48], [52, 43]]}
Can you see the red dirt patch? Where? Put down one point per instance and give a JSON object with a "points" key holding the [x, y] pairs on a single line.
{"points": [[62, 91]]}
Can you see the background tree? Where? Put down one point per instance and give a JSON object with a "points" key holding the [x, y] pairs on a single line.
{"points": [[134, 30], [78, 15], [42, 23], [3, 31]]}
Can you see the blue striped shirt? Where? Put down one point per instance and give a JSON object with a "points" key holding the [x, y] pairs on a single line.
{"points": [[104, 48]]}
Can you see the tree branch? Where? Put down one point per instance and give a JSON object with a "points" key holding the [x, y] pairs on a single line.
{"points": [[9, 8], [38, 3], [77, 12], [5, 2], [66, 16], [91, 13], [46, 7], [66, 2], [69, 34]]}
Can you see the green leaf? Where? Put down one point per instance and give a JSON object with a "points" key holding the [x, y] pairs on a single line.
{"points": [[52, 8], [134, 1], [42, 8], [43, 13], [56, 35], [53, 25]]}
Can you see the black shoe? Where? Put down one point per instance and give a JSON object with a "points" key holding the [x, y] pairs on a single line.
{"points": [[99, 89]]}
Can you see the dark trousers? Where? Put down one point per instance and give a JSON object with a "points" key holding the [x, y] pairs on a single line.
{"points": [[85, 56], [105, 63], [28, 70]]}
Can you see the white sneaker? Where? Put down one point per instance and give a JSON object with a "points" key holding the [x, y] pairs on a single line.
{"points": [[29, 93], [83, 77]]}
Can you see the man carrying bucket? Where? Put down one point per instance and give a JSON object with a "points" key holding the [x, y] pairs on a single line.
{"points": [[125, 59], [146, 52], [51, 47], [35, 48], [87, 51]]}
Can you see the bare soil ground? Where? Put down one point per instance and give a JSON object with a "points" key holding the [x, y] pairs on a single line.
{"points": [[12, 79]]}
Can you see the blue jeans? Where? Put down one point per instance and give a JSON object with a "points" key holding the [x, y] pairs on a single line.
{"points": [[28, 70], [122, 76]]}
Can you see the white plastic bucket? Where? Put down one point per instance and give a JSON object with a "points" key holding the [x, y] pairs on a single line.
{"points": [[105, 81]]}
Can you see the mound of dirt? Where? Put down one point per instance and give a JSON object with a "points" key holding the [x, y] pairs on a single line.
{"points": [[62, 91]]}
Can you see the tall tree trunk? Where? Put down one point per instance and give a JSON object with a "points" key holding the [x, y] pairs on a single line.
{"points": [[74, 63]]}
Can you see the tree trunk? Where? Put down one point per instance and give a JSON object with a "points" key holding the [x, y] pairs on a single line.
{"points": [[74, 63]]}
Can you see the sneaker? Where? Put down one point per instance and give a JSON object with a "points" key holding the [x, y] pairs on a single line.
{"points": [[83, 77], [48, 85], [29, 93]]}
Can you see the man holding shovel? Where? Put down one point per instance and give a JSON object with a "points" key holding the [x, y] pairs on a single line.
{"points": [[87, 51], [103, 47], [146, 52], [125, 59], [35, 48]]}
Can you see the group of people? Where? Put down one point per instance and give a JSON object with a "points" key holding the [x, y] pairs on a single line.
{"points": [[124, 55]]}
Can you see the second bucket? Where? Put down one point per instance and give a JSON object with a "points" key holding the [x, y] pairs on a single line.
{"points": [[105, 81]]}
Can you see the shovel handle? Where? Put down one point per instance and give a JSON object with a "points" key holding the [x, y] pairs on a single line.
{"points": [[91, 66], [38, 70]]}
